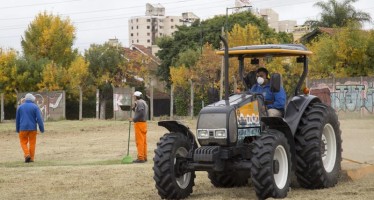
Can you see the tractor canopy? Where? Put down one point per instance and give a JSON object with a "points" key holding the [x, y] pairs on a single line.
{"points": [[267, 50], [275, 50]]}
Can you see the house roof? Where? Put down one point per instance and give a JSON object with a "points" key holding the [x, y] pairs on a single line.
{"points": [[145, 51], [317, 31]]}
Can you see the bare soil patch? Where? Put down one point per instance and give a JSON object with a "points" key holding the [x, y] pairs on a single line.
{"points": [[82, 160]]}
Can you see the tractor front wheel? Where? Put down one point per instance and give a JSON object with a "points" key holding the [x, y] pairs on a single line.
{"points": [[171, 181], [271, 165]]}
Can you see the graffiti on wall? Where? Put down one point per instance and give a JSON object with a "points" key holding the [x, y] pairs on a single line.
{"points": [[51, 104], [121, 97], [348, 96]]}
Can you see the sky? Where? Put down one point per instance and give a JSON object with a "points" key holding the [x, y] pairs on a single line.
{"points": [[97, 21]]}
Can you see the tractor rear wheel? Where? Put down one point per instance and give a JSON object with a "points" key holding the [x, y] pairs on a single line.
{"points": [[318, 147], [171, 181], [229, 179], [271, 165]]}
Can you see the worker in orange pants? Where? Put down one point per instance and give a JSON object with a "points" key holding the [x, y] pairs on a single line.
{"points": [[28, 116], [141, 139], [28, 137], [140, 124]]}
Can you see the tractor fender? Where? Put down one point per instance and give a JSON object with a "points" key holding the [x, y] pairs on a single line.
{"points": [[296, 108], [281, 125], [177, 127]]}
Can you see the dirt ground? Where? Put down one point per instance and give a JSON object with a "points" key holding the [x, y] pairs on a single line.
{"points": [[82, 160]]}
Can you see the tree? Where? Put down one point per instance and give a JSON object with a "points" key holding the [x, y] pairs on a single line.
{"points": [[53, 78], [106, 64], [199, 33], [78, 74], [335, 14], [50, 37], [8, 72], [179, 77], [345, 54]]}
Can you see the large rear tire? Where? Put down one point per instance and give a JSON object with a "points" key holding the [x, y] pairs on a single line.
{"points": [[271, 165], [318, 147], [170, 182], [229, 179]]}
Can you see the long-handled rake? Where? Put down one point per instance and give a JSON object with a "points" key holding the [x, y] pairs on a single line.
{"points": [[128, 159]]}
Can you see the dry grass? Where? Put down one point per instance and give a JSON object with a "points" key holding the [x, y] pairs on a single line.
{"points": [[81, 160]]}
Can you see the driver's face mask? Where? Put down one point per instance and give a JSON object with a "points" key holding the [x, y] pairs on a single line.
{"points": [[260, 80]]}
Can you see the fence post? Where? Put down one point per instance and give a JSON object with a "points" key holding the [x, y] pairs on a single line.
{"points": [[192, 97], [362, 101], [2, 108], [171, 101], [97, 103], [151, 101], [80, 102]]}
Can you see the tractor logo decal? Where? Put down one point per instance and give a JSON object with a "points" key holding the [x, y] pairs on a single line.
{"points": [[248, 120]]}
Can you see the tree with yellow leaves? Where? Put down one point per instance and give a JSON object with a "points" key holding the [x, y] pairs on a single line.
{"points": [[51, 37]]}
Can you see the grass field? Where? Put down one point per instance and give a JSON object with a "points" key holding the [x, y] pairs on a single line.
{"points": [[82, 160]]}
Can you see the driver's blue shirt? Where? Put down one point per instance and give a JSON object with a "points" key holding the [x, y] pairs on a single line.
{"points": [[278, 98]]}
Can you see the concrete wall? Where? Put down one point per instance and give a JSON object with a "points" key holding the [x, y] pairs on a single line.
{"points": [[348, 94], [51, 104]]}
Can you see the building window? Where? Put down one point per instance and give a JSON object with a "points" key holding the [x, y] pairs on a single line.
{"points": [[148, 27], [132, 28], [160, 34], [172, 27], [131, 21], [137, 34], [148, 20], [172, 20], [137, 27], [161, 27], [132, 34], [136, 20], [149, 41], [137, 41], [148, 34], [132, 41]]}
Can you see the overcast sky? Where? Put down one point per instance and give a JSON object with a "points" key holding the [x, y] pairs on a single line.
{"points": [[97, 21]]}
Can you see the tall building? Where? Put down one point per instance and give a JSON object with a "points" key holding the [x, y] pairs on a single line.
{"points": [[144, 30]]}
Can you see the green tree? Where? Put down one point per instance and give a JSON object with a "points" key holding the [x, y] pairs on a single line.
{"points": [[345, 54], [339, 14], [199, 33], [50, 37], [106, 64]]}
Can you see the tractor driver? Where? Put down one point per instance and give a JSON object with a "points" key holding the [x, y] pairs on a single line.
{"points": [[274, 101]]}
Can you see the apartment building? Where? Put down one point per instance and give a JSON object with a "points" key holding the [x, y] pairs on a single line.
{"points": [[144, 30]]}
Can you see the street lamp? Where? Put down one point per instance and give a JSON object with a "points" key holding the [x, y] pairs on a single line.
{"points": [[227, 39]]}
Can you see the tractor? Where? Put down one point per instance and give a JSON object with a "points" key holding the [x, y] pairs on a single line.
{"points": [[236, 141]]}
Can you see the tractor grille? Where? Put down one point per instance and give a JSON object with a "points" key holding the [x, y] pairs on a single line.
{"points": [[206, 153]]}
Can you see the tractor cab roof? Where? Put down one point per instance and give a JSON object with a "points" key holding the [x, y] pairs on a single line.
{"points": [[275, 50]]}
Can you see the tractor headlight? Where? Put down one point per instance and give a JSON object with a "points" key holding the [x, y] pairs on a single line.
{"points": [[202, 134], [220, 133]]}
